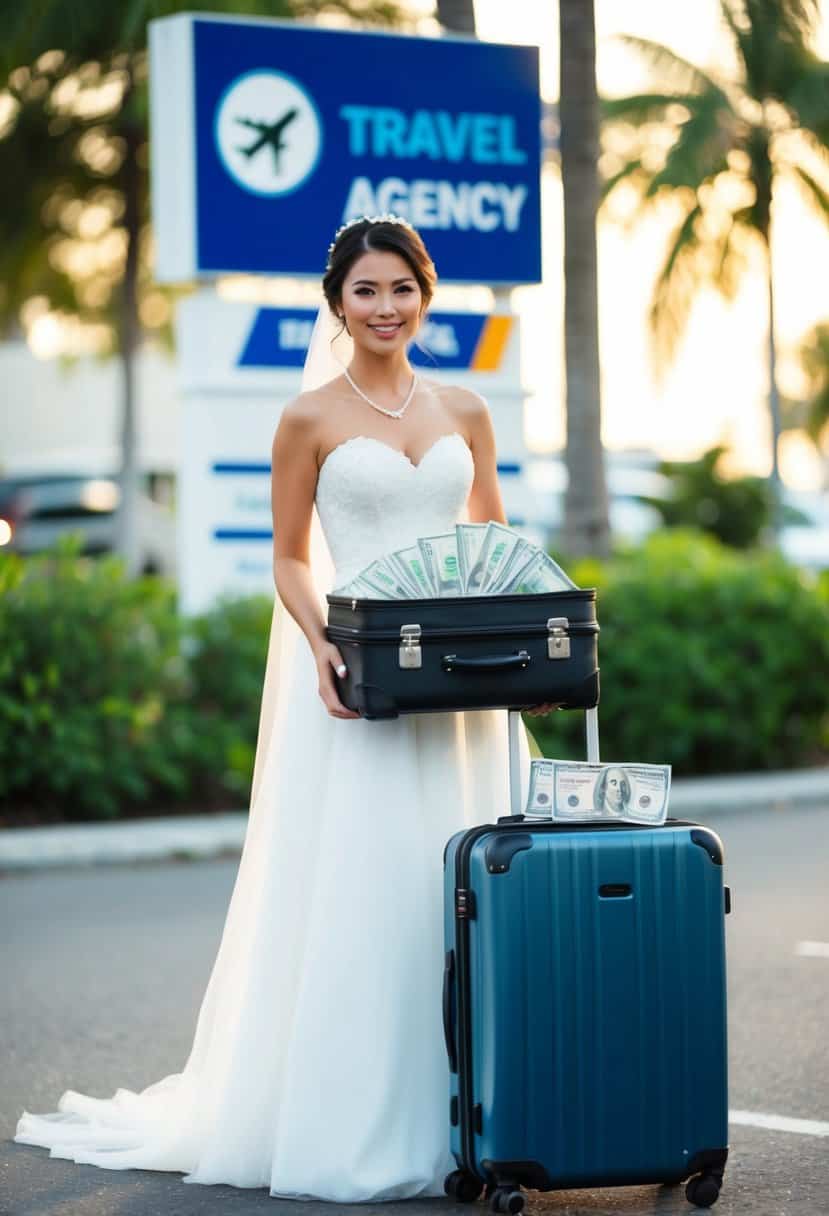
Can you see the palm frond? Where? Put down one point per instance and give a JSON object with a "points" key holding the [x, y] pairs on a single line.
{"points": [[814, 357], [815, 193], [772, 39], [632, 169], [675, 289], [808, 99], [672, 66], [640, 108], [701, 148]]}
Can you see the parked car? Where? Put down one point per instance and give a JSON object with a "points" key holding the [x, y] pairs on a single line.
{"points": [[35, 511]]}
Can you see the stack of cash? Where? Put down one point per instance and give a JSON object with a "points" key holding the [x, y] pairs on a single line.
{"points": [[475, 559], [573, 792]]}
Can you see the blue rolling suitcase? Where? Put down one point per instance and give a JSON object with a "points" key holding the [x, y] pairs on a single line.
{"points": [[584, 1005]]}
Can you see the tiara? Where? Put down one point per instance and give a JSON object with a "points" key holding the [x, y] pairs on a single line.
{"points": [[388, 217]]}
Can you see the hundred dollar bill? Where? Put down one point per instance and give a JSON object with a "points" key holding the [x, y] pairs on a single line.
{"points": [[440, 556], [498, 547], [411, 564], [360, 589], [470, 539], [540, 795], [539, 574], [635, 792], [521, 555], [383, 577]]}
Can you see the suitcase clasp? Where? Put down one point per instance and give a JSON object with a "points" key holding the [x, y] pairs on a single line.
{"points": [[558, 642], [410, 654]]}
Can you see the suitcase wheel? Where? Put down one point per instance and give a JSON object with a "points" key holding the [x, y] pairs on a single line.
{"points": [[703, 1190], [506, 1199], [463, 1187]]}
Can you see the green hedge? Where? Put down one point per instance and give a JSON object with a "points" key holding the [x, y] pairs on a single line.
{"points": [[111, 705], [711, 660]]}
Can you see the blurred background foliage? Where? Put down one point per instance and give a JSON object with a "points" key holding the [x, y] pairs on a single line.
{"points": [[736, 510], [712, 660]]}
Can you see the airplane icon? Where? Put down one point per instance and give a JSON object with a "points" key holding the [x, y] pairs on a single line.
{"points": [[270, 134]]}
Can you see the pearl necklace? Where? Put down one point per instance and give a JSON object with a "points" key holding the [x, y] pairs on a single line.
{"points": [[398, 413]]}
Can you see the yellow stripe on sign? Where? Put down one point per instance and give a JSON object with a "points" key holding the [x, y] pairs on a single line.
{"points": [[490, 349]]}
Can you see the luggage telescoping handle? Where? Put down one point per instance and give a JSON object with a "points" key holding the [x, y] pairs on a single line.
{"points": [[591, 731]]}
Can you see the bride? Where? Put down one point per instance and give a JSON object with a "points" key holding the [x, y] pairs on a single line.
{"points": [[317, 1067]]}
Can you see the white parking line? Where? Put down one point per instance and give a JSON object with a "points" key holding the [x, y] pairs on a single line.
{"points": [[812, 949], [779, 1123]]}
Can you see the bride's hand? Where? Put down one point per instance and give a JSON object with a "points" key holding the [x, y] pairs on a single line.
{"points": [[545, 708], [329, 659]]}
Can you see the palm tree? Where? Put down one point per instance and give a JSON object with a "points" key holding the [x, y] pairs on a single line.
{"points": [[74, 143], [728, 143], [586, 527], [811, 411]]}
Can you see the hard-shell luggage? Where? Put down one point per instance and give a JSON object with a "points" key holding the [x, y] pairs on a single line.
{"points": [[466, 652], [584, 1005]]}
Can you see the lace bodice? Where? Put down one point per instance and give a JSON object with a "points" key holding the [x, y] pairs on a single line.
{"points": [[372, 499]]}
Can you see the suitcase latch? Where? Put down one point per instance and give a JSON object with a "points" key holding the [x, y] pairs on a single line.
{"points": [[410, 653], [558, 641]]}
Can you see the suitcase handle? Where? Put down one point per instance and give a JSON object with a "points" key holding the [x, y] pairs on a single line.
{"points": [[487, 662], [448, 1031]]}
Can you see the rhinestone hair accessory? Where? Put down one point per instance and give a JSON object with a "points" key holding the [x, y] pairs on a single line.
{"points": [[388, 217]]}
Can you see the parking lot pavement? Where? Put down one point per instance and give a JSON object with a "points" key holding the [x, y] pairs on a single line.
{"points": [[110, 966]]}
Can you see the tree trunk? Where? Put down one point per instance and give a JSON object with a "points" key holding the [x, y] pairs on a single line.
{"points": [[586, 523], [127, 523], [457, 16], [774, 401]]}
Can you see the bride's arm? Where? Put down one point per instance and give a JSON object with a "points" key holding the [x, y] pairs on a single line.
{"points": [[293, 486], [485, 501]]}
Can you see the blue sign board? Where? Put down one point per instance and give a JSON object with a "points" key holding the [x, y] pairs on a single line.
{"points": [[471, 341], [298, 129]]}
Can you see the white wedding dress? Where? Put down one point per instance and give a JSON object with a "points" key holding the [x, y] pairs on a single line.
{"points": [[318, 1067]]}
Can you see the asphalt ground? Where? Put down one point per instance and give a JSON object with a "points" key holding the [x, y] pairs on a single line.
{"points": [[104, 971]]}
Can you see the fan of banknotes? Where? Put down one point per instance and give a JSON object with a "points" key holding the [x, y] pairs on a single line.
{"points": [[475, 559]]}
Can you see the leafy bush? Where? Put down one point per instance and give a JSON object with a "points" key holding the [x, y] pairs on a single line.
{"points": [[92, 686], [110, 704], [711, 660], [227, 648], [736, 510]]}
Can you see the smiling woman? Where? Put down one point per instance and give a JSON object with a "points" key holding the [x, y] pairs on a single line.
{"points": [[318, 1067]]}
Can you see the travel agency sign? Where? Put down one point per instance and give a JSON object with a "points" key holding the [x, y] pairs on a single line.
{"points": [[269, 135]]}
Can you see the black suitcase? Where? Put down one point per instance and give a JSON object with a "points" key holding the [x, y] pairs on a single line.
{"points": [[466, 652]]}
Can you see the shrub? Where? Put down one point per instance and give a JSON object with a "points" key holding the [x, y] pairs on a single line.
{"points": [[711, 660], [110, 704], [92, 686], [737, 510], [227, 648]]}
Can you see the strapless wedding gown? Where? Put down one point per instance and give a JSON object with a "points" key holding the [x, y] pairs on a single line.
{"points": [[318, 1067]]}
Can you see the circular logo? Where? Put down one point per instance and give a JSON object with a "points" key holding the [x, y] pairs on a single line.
{"points": [[268, 132], [573, 800]]}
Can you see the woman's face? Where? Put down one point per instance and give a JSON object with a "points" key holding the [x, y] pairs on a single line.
{"points": [[614, 790], [381, 301]]}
